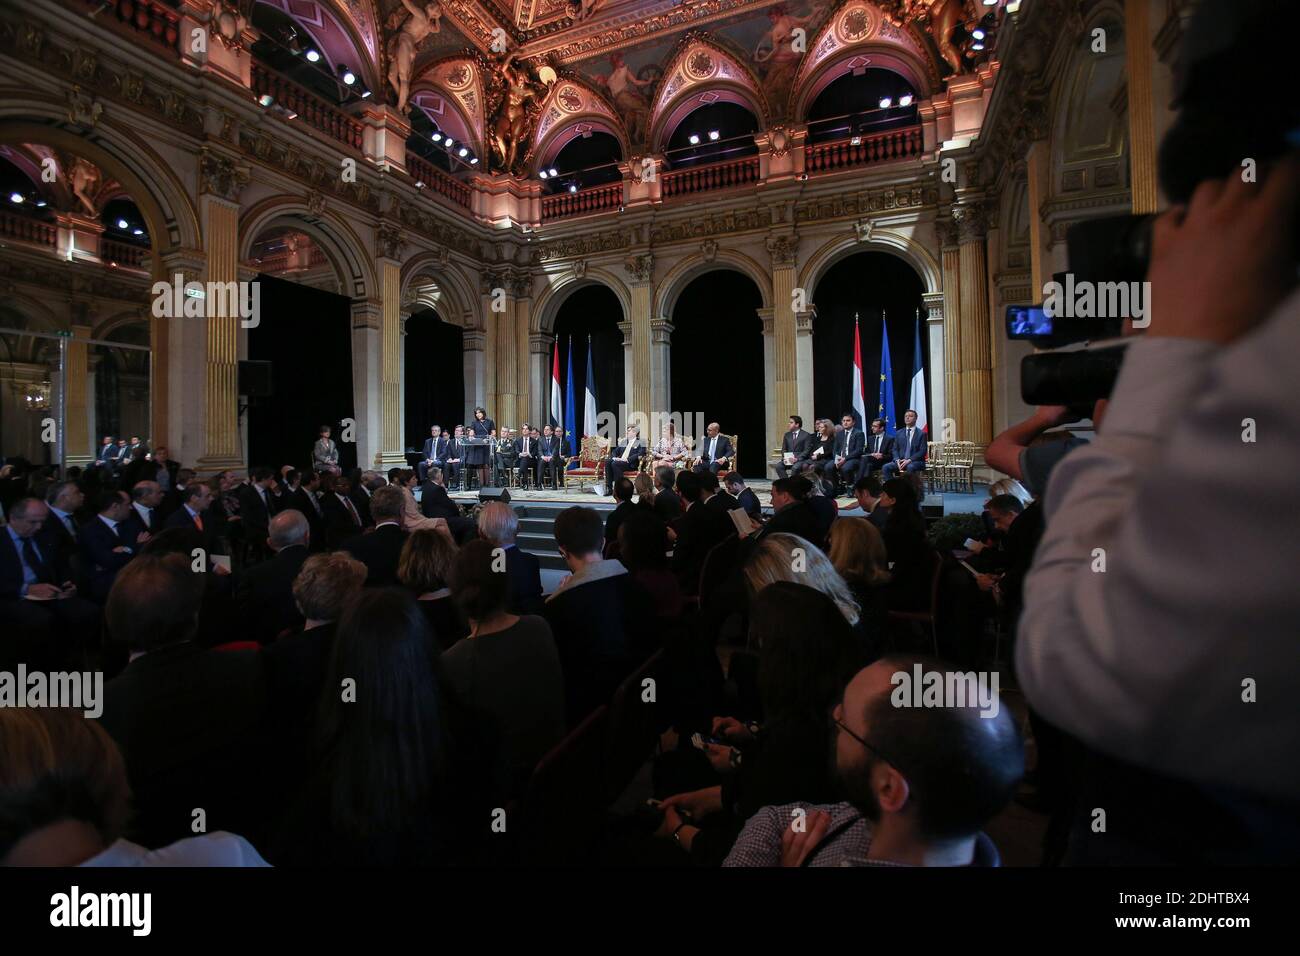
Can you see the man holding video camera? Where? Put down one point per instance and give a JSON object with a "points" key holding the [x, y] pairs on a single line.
{"points": [[1169, 651]]}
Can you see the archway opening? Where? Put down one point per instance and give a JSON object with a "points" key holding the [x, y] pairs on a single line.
{"points": [[589, 319], [868, 286], [435, 376], [712, 134], [860, 104], [590, 159], [305, 334], [716, 360]]}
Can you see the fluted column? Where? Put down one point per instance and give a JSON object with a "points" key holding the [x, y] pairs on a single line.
{"points": [[661, 337], [78, 442], [782, 249], [523, 309], [771, 424], [539, 378], [803, 347], [367, 373], [641, 398], [222, 448], [629, 363], [389, 242], [475, 342], [946, 229], [178, 358], [936, 329], [976, 423], [1141, 112]]}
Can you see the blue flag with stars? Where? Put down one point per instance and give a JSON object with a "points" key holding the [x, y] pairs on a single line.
{"points": [[885, 409]]}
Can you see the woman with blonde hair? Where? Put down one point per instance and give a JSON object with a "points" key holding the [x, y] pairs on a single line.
{"points": [[1009, 486], [424, 568], [405, 480], [644, 486], [857, 551], [788, 557]]}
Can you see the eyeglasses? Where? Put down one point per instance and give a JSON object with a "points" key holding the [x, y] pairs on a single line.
{"points": [[875, 750]]}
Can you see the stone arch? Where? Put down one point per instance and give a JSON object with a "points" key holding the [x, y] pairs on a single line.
{"points": [[121, 320], [1086, 129], [896, 243], [342, 246], [572, 108], [449, 113], [331, 25], [456, 290], [680, 275], [37, 317], [700, 73], [123, 156], [563, 284]]}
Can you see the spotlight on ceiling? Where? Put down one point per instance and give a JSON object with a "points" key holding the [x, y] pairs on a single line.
{"points": [[346, 75], [990, 3], [137, 232], [313, 55], [265, 100], [713, 135], [542, 174], [886, 102], [978, 34], [977, 46], [695, 139], [365, 93], [855, 141], [473, 161], [40, 204], [15, 197], [553, 172], [419, 184], [123, 224], [437, 137], [462, 152], [450, 142], [905, 100], [573, 187]]}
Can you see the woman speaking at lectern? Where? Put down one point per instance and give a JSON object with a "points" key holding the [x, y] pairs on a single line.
{"points": [[476, 456]]}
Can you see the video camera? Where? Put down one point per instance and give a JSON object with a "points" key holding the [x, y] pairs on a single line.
{"points": [[1230, 46]]}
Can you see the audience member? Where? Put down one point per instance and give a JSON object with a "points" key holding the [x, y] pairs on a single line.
{"points": [[380, 548], [264, 592], [425, 570], [499, 525]]}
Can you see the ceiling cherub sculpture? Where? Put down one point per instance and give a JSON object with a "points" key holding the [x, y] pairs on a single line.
{"points": [[939, 18], [514, 99], [407, 31]]}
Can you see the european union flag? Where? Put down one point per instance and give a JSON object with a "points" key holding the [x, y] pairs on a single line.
{"points": [[885, 409]]}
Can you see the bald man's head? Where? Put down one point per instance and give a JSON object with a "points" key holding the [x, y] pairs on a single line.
{"points": [[287, 529]]}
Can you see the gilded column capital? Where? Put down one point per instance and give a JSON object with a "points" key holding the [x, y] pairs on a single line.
{"points": [[782, 249], [640, 268], [221, 176], [972, 222]]}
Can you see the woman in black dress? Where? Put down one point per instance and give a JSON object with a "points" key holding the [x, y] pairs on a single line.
{"points": [[476, 456]]}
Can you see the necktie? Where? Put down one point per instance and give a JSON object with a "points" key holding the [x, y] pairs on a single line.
{"points": [[198, 521], [33, 561], [72, 528], [713, 444], [909, 440], [352, 510], [627, 451]]}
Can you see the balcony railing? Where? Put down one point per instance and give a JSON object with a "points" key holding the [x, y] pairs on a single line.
{"points": [[877, 148], [123, 253], [698, 179], [154, 20], [450, 187], [26, 229], [594, 199], [311, 109]]}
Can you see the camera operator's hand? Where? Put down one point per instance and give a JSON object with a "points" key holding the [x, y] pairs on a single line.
{"points": [[1221, 264]]}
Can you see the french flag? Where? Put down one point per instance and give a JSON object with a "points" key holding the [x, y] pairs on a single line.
{"points": [[916, 398], [557, 416], [859, 403]]}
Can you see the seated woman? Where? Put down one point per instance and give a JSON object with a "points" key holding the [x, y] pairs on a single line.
{"points": [[669, 450], [910, 554], [807, 654], [505, 675], [857, 551], [643, 549], [412, 518], [822, 458], [424, 568], [644, 486]]}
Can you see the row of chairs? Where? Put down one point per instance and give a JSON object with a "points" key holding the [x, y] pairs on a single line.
{"points": [[950, 466]]}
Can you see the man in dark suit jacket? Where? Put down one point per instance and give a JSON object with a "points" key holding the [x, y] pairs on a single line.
{"points": [[264, 592], [668, 506], [434, 500], [745, 497], [910, 447], [144, 517], [435, 452], [194, 512], [796, 447], [714, 448], [64, 499], [792, 513], [622, 492], [879, 448], [257, 503], [626, 457], [699, 530], [867, 491], [552, 461], [601, 618], [342, 519], [528, 455], [380, 548], [849, 446], [363, 488], [108, 453], [300, 495], [105, 547], [498, 524], [187, 720]]}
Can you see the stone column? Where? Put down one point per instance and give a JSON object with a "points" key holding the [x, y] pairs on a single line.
{"points": [[640, 398], [661, 336], [771, 423], [946, 229], [539, 377], [935, 329], [475, 366], [782, 249], [1141, 114], [179, 355], [522, 293], [1038, 172], [78, 440], [976, 423], [367, 333], [389, 244], [629, 361], [221, 181], [803, 324]]}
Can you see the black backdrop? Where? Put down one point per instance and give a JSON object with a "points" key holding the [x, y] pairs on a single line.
{"points": [[592, 310], [717, 360], [435, 376], [867, 283], [306, 335]]}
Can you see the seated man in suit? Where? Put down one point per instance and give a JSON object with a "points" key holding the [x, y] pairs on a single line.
{"points": [[714, 449], [380, 548], [622, 491], [504, 457], [196, 502], [867, 492], [796, 446], [436, 503], [667, 504], [552, 462], [455, 457], [257, 503], [264, 592], [435, 452], [108, 452], [499, 524], [792, 513], [567, 449], [342, 519], [910, 447], [105, 545], [714, 495], [600, 617], [187, 720], [64, 499], [42, 621], [626, 457], [300, 495], [880, 448], [849, 445], [698, 531], [745, 497], [144, 517], [528, 456]]}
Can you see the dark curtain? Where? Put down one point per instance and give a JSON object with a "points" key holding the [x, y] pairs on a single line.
{"points": [[435, 376], [306, 335], [592, 310], [717, 361], [869, 284], [108, 418]]}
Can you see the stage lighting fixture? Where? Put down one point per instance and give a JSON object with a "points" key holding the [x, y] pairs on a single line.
{"points": [[886, 102], [695, 139], [462, 152], [137, 232], [905, 100], [473, 161], [313, 55], [123, 224], [978, 34], [573, 187], [713, 135], [542, 174], [553, 172], [346, 75], [437, 137], [265, 100], [977, 46], [365, 94], [450, 142], [855, 141], [16, 197], [40, 204]]}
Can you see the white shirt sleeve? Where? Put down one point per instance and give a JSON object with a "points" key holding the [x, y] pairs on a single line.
{"points": [[1150, 660]]}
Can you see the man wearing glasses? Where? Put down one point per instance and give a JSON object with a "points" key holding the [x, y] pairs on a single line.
{"points": [[921, 783]]}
